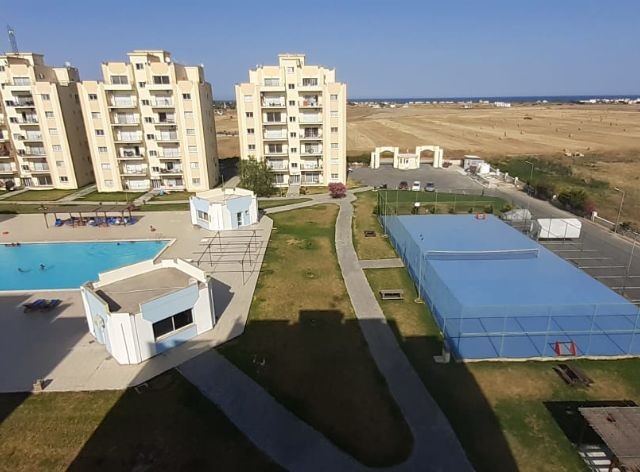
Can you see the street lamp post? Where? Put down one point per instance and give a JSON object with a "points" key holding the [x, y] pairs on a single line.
{"points": [[615, 228]]}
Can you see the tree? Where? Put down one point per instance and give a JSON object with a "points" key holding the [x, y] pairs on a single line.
{"points": [[574, 199], [256, 176], [337, 190]]}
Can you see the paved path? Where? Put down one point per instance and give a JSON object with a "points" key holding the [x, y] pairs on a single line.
{"points": [[289, 441], [5, 195], [80, 193], [436, 445], [294, 444], [381, 263]]}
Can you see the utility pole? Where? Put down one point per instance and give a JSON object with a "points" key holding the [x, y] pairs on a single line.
{"points": [[615, 228]]}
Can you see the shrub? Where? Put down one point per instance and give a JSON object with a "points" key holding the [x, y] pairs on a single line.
{"points": [[337, 190], [544, 190], [488, 209], [574, 199], [470, 210], [451, 210], [506, 208]]}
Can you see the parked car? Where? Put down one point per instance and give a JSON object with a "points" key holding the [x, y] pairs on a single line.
{"points": [[380, 187], [404, 185], [430, 187], [416, 186]]}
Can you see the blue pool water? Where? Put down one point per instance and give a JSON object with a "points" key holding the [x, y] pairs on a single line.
{"points": [[68, 265]]}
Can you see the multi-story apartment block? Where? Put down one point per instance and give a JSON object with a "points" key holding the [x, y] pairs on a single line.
{"points": [[293, 116], [43, 143], [150, 125]]}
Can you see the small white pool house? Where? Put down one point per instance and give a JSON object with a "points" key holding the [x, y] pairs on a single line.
{"points": [[224, 209]]}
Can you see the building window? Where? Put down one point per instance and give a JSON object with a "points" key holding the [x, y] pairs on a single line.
{"points": [[108, 183], [334, 114], [294, 150], [64, 178], [119, 80], [142, 84], [334, 97], [249, 114], [148, 119], [272, 82], [250, 131], [293, 134], [59, 163], [334, 129], [99, 132], [203, 215], [53, 131], [56, 148], [21, 81], [193, 149], [153, 153], [335, 176], [48, 114], [186, 96], [155, 169], [45, 97], [95, 115], [194, 165], [150, 137], [102, 149], [145, 102], [248, 98], [334, 145], [139, 66], [93, 96], [191, 132], [291, 70], [188, 115], [195, 181], [294, 165], [173, 323], [291, 86], [252, 147], [160, 79], [292, 119], [105, 165], [309, 82], [1, 68], [292, 103]]}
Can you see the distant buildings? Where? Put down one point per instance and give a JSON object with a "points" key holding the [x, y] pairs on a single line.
{"points": [[293, 116], [150, 124], [43, 144]]}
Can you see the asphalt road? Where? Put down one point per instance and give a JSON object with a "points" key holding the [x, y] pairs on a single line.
{"points": [[599, 252]]}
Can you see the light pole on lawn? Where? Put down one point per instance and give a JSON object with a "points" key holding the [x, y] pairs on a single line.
{"points": [[615, 228], [530, 177]]}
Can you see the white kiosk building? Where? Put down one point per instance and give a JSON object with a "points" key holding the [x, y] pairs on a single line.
{"points": [[143, 309], [407, 161], [224, 208]]}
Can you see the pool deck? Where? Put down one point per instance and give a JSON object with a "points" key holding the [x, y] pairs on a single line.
{"points": [[56, 346]]}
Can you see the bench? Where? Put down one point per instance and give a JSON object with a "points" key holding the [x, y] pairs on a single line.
{"points": [[369, 233], [397, 294], [572, 375]]}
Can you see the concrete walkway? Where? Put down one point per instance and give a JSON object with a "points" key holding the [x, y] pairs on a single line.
{"points": [[288, 440], [436, 446], [294, 444], [381, 263], [80, 193]]}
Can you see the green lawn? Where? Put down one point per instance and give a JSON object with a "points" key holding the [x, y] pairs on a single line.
{"points": [[40, 195], [14, 208], [498, 408], [165, 207], [264, 204], [173, 196], [304, 345], [168, 426], [439, 202], [111, 196], [365, 219]]}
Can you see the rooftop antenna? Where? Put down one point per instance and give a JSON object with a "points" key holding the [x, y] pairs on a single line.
{"points": [[12, 39]]}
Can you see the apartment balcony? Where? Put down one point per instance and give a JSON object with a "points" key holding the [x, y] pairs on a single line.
{"points": [[133, 171], [4, 138], [130, 103], [162, 103], [275, 152], [273, 87], [313, 84], [310, 119], [4, 153], [32, 137], [274, 123], [311, 151], [130, 155], [29, 120], [165, 122], [37, 153], [39, 168], [311, 166], [128, 138], [266, 103], [311, 136], [172, 171], [278, 166], [275, 135], [174, 157], [125, 122], [7, 168], [310, 103], [167, 138], [21, 102]]}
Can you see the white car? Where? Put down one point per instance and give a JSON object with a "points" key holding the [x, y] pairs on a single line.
{"points": [[416, 186]]}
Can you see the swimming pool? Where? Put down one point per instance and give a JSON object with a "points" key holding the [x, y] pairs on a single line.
{"points": [[68, 265]]}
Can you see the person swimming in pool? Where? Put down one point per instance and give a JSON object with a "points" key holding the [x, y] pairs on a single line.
{"points": [[20, 269], [43, 267]]}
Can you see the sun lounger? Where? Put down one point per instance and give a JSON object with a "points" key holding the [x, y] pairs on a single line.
{"points": [[50, 304], [34, 305], [59, 222]]}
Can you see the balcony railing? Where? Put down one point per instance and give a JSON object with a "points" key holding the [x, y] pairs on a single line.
{"points": [[274, 122], [166, 121], [133, 170], [39, 167], [273, 103], [7, 168], [32, 152], [174, 170], [169, 156], [125, 103], [278, 165], [310, 119], [160, 102], [275, 150], [167, 137], [311, 136], [313, 103], [275, 135], [311, 166], [29, 120], [20, 102], [311, 150], [129, 138], [33, 137], [119, 120], [130, 155]]}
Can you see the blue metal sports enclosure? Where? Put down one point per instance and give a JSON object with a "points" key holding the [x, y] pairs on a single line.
{"points": [[495, 293]]}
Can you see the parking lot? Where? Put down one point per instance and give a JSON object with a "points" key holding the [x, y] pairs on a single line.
{"points": [[445, 179]]}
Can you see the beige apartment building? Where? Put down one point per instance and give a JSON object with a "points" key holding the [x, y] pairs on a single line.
{"points": [[150, 125], [43, 144], [293, 116]]}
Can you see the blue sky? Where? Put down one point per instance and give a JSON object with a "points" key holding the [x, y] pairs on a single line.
{"points": [[390, 48]]}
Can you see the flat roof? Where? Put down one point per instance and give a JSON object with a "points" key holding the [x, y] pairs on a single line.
{"points": [[619, 428], [489, 263], [219, 195], [126, 295]]}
